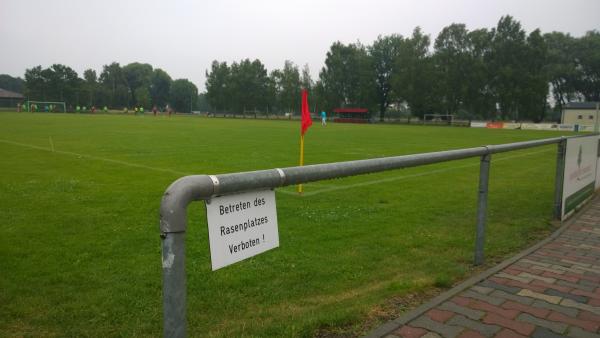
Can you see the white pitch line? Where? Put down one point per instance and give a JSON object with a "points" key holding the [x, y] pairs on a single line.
{"points": [[397, 178], [110, 160], [311, 193]]}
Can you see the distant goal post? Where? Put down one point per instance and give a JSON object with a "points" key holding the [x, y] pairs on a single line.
{"points": [[45, 106], [438, 118]]}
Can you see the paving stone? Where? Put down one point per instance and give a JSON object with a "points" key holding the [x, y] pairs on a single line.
{"points": [[579, 333], [470, 334], [563, 275], [462, 301], [532, 276], [575, 297], [517, 326], [486, 330], [589, 316], [506, 333], [554, 286], [425, 322], [547, 269], [407, 331], [481, 289], [540, 313], [574, 304], [479, 305], [505, 295], [431, 335], [594, 271], [554, 326], [541, 332], [579, 285], [439, 315], [465, 311], [490, 284], [534, 262], [485, 298], [544, 297], [586, 294], [584, 324], [568, 261], [564, 310], [586, 283], [513, 277]]}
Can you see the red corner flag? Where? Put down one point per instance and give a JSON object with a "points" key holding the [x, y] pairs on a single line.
{"points": [[306, 120]]}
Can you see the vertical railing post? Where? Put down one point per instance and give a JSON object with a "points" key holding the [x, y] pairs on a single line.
{"points": [[559, 179], [484, 175], [174, 289]]}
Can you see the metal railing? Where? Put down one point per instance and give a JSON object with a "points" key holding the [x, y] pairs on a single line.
{"points": [[173, 209]]}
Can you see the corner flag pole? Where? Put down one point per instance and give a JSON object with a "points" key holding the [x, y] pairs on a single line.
{"points": [[300, 190], [306, 122]]}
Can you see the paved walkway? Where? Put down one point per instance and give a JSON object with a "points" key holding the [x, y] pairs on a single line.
{"points": [[550, 290]]}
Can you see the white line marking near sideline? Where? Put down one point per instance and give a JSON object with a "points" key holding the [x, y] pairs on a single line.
{"points": [[129, 164], [312, 193], [391, 179]]}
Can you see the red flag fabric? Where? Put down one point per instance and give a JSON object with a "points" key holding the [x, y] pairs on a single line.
{"points": [[306, 120]]}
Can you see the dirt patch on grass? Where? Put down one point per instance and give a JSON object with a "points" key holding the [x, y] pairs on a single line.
{"points": [[391, 309]]}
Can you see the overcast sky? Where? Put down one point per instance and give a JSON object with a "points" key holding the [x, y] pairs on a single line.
{"points": [[184, 37]]}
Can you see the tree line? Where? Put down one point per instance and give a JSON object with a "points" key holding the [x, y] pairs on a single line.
{"points": [[132, 85], [499, 73]]}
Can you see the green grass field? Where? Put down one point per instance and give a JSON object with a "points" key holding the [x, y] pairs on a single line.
{"points": [[80, 247]]}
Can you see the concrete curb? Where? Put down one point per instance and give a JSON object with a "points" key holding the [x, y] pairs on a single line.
{"points": [[394, 324]]}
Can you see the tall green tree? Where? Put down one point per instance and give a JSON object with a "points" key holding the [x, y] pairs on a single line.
{"points": [[562, 67], [347, 79], [160, 86], [534, 96], [384, 52], [507, 66], [249, 85], [14, 84], [454, 62], [287, 82], [35, 83], [306, 80], [90, 87], [218, 86], [414, 79], [480, 99], [115, 85], [183, 95], [588, 58], [137, 75], [55, 83]]}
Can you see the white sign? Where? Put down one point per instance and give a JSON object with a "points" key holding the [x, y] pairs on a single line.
{"points": [[478, 124], [581, 157], [241, 226]]}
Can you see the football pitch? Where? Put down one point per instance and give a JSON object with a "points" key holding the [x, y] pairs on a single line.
{"points": [[80, 249]]}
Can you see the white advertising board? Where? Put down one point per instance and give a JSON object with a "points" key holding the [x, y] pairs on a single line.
{"points": [[241, 226], [508, 125], [566, 127], [581, 157], [539, 126], [478, 124]]}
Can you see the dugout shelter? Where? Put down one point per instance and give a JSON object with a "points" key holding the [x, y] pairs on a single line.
{"points": [[351, 115]]}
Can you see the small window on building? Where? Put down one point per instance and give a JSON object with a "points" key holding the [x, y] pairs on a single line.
{"points": [[579, 117], [591, 117]]}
